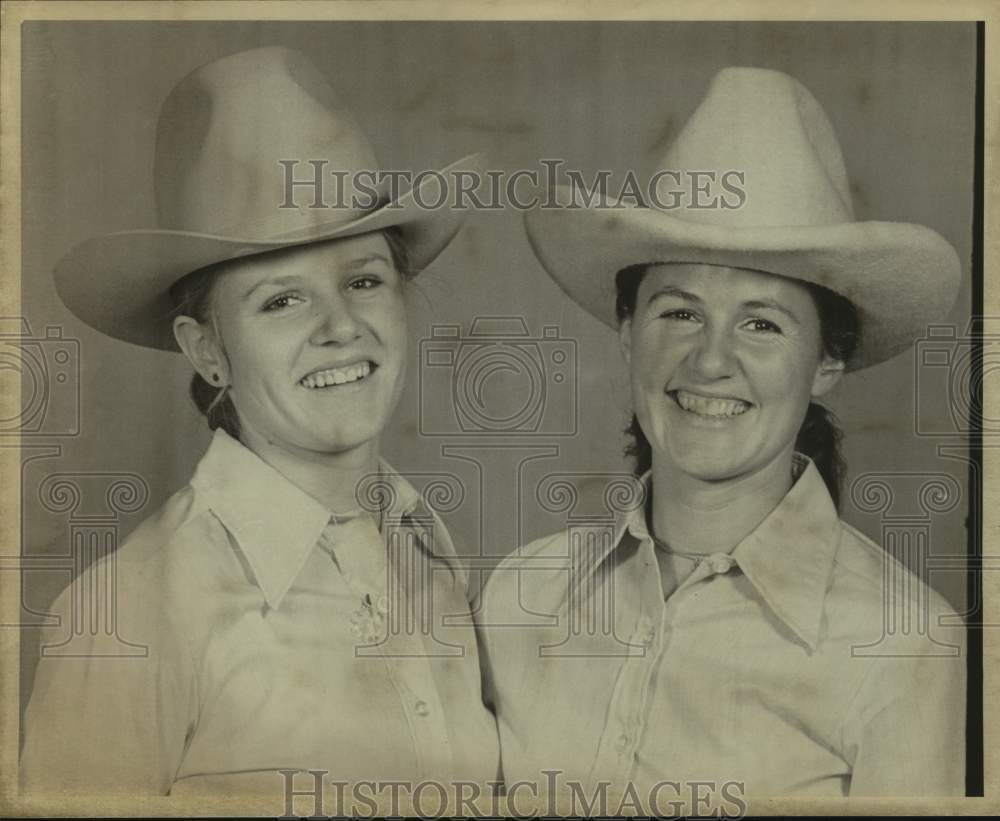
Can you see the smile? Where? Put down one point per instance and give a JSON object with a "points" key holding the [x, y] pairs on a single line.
{"points": [[337, 376], [709, 406]]}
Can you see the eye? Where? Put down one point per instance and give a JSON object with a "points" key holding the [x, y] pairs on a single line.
{"points": [[365, 282], [682, 314], [762, 326], [280, 302]]}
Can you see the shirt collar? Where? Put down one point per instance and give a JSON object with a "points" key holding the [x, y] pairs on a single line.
{"points": [[275, 523], [788, 557]]}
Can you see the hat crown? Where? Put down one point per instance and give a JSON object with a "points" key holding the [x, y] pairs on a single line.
{"points": [[768, 127], [225, 127]]}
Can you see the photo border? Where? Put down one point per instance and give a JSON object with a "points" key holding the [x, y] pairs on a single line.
{"points": [[15, 12]]}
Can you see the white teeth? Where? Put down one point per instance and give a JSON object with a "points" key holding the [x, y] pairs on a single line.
{"points": [[336, 376], [705, 406]]}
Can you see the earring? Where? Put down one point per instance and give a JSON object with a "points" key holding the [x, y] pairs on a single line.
{"points": [[215, 377]]}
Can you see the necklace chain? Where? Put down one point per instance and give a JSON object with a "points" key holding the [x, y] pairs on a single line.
{"points": [[697, 558], [341, 518]]}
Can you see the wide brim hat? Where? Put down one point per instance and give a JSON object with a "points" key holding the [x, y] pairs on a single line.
{"points": [[241, 143], [779, 202]]}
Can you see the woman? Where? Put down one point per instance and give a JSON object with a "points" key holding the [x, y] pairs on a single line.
{"points": [[731, 629], [269, 590]]}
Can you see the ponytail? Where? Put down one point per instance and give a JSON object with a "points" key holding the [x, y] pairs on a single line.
{"points": [[219, 411], [819, 438]]}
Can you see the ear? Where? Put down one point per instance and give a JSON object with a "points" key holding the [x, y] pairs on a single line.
{"points": [[625, 339], [202, 349], [828, 374]]}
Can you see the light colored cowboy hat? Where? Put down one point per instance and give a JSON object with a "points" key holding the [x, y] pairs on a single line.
{"points": [[219, 185], [796, 220]]}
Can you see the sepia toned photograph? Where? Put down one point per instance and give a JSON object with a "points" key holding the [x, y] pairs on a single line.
{"points": [[494, 417]]}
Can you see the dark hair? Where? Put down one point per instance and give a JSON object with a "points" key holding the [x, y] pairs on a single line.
{"points": [[192, 296], [819, 436]]}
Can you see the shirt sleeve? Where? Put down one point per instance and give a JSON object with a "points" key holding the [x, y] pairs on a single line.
{"points": [[474, 595], [477, 603], [100, 723], [905, 731]]}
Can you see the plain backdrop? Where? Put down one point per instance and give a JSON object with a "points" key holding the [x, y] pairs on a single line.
{"points": [[598, 95]]}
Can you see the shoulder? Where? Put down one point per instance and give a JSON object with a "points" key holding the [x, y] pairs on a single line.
{"points": [[868, 566], [875, 591], [160, 565], [535, 576]]}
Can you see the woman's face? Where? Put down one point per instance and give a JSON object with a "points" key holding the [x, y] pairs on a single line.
{"points": [[315, 339], [723, 362]]}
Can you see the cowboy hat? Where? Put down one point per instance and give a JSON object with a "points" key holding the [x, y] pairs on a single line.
{"points": [[795, 219], [222, 193]]}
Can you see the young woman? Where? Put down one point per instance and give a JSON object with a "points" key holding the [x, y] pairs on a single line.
{"points": [[271, 590], [733, 629]]}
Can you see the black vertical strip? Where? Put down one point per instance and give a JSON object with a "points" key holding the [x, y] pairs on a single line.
{"points": [[974, 699]]}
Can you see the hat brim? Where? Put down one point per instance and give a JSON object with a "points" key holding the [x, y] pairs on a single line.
{"points": [[900, 277], [119, 283]]}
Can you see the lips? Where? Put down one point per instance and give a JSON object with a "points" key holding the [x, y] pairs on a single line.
{"points": [[711, 407], [333, 377]]}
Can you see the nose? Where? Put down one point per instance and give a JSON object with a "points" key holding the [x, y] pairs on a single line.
{"points": [[334, 322], [712, 356]]}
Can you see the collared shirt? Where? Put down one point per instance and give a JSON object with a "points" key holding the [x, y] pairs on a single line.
{"points": [[783, 665], [278, 637]]}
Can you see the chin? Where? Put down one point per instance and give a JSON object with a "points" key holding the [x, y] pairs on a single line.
{"points": [[709, 467], [344, 443]]}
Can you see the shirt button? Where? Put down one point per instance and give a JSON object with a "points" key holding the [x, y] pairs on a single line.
{"points": [[720, 564], [421, 709], [622, 742]]}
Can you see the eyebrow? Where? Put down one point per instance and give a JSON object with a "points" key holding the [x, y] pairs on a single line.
{"points": [[669, 290], [291, 279], [361, 262], [773, 305], [753, 304]]}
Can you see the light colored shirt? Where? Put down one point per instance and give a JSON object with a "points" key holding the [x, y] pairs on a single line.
{"points": [[782, 665], [278, 638]]}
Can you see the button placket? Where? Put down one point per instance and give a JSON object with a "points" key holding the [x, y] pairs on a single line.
{"points": [[655, 627], [416, 668], [405, 661], [616, 751]]}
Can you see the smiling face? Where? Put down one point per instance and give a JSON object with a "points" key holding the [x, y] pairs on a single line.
{"points": [[723, 363], [313, 344]]}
